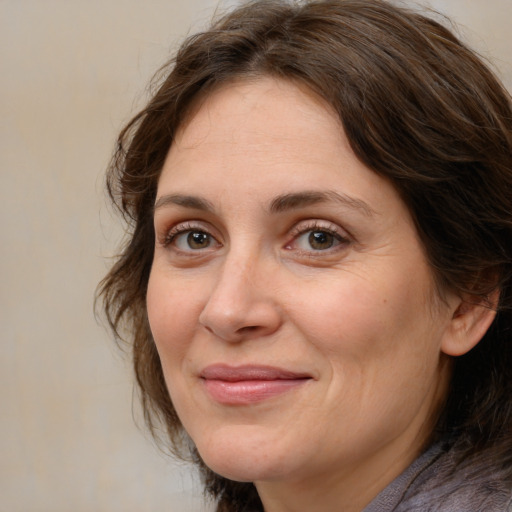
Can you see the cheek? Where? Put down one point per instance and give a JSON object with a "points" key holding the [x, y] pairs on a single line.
{"points": [[382, 345], [349, 309], [383, 318], [172, 313]]}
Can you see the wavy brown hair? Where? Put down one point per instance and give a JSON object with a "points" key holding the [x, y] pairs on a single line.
{"points": [[419, 108]]}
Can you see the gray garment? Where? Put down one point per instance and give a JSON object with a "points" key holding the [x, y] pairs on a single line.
{"points": [[435, 483]]}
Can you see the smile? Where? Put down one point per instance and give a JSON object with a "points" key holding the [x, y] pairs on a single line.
{"points": [[246, 385]]}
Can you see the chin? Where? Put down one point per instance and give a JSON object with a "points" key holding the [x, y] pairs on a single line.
{"points": [[244, 455]]}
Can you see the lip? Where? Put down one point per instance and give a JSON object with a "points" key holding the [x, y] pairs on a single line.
{"points": [[244, 385]]}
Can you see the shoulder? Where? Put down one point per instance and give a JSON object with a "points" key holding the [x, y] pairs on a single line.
{"points": [[463, 498], [448, 484], [440, 481]]}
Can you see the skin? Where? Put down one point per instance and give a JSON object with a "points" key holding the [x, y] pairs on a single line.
{"points": [[358, 313]]}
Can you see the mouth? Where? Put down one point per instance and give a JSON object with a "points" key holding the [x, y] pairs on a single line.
{"points": [[244, 385]]}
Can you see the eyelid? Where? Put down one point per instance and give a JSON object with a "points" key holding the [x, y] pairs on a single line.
{"points": [[169, 234], [303, 227], [320, 225]]}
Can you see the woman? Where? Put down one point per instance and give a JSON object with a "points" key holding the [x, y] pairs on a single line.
{"points": [[316, 286]]}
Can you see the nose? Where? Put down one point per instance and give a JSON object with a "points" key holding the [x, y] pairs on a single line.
{"points": [[242, 304]]}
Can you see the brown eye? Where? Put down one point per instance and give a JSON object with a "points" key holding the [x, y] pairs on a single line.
{"points": [[321, 240], [317, 240], [192, 240], [198, 240]]}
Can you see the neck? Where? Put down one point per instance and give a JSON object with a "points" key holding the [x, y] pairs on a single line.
{"points": [[347, 491], [352, 487]]}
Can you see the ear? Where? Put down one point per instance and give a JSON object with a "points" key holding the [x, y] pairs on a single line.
{"points": [[471, 319]]}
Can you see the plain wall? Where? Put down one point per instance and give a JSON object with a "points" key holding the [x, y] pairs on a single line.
{"points": [[72, 72]]}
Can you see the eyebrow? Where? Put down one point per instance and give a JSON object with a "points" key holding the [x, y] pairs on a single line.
{"points": [[192, 202], [298, 200], [282, 203]]}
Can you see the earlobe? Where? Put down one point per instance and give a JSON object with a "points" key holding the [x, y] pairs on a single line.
{"points": [[470, 321]]}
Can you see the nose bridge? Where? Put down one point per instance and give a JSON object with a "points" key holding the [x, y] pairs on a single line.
{"points": [[235, 287], [233, 283], [244, 267], [240, 304]]}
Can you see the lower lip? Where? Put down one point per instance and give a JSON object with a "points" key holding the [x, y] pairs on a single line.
{"points": [[249, 391]]}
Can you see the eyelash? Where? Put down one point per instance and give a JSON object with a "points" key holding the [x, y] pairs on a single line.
{"points": [[296, 233], [321, 227], [183, 228]]}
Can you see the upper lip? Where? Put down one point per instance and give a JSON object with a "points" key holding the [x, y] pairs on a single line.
{"points": [[249, 372]]}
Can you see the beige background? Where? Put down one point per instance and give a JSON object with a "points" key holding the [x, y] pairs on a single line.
{"points": [[72, 72]]}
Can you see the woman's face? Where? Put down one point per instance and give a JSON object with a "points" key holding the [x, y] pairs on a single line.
{"points": [[293, 309]]}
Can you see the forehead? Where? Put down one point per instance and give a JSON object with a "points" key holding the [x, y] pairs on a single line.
{"points": [[267, 121], [254, 97], [250, 141], [266, 109]]}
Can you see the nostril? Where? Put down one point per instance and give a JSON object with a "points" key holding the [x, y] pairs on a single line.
{"points": [[253, 317], [248, 328]]}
